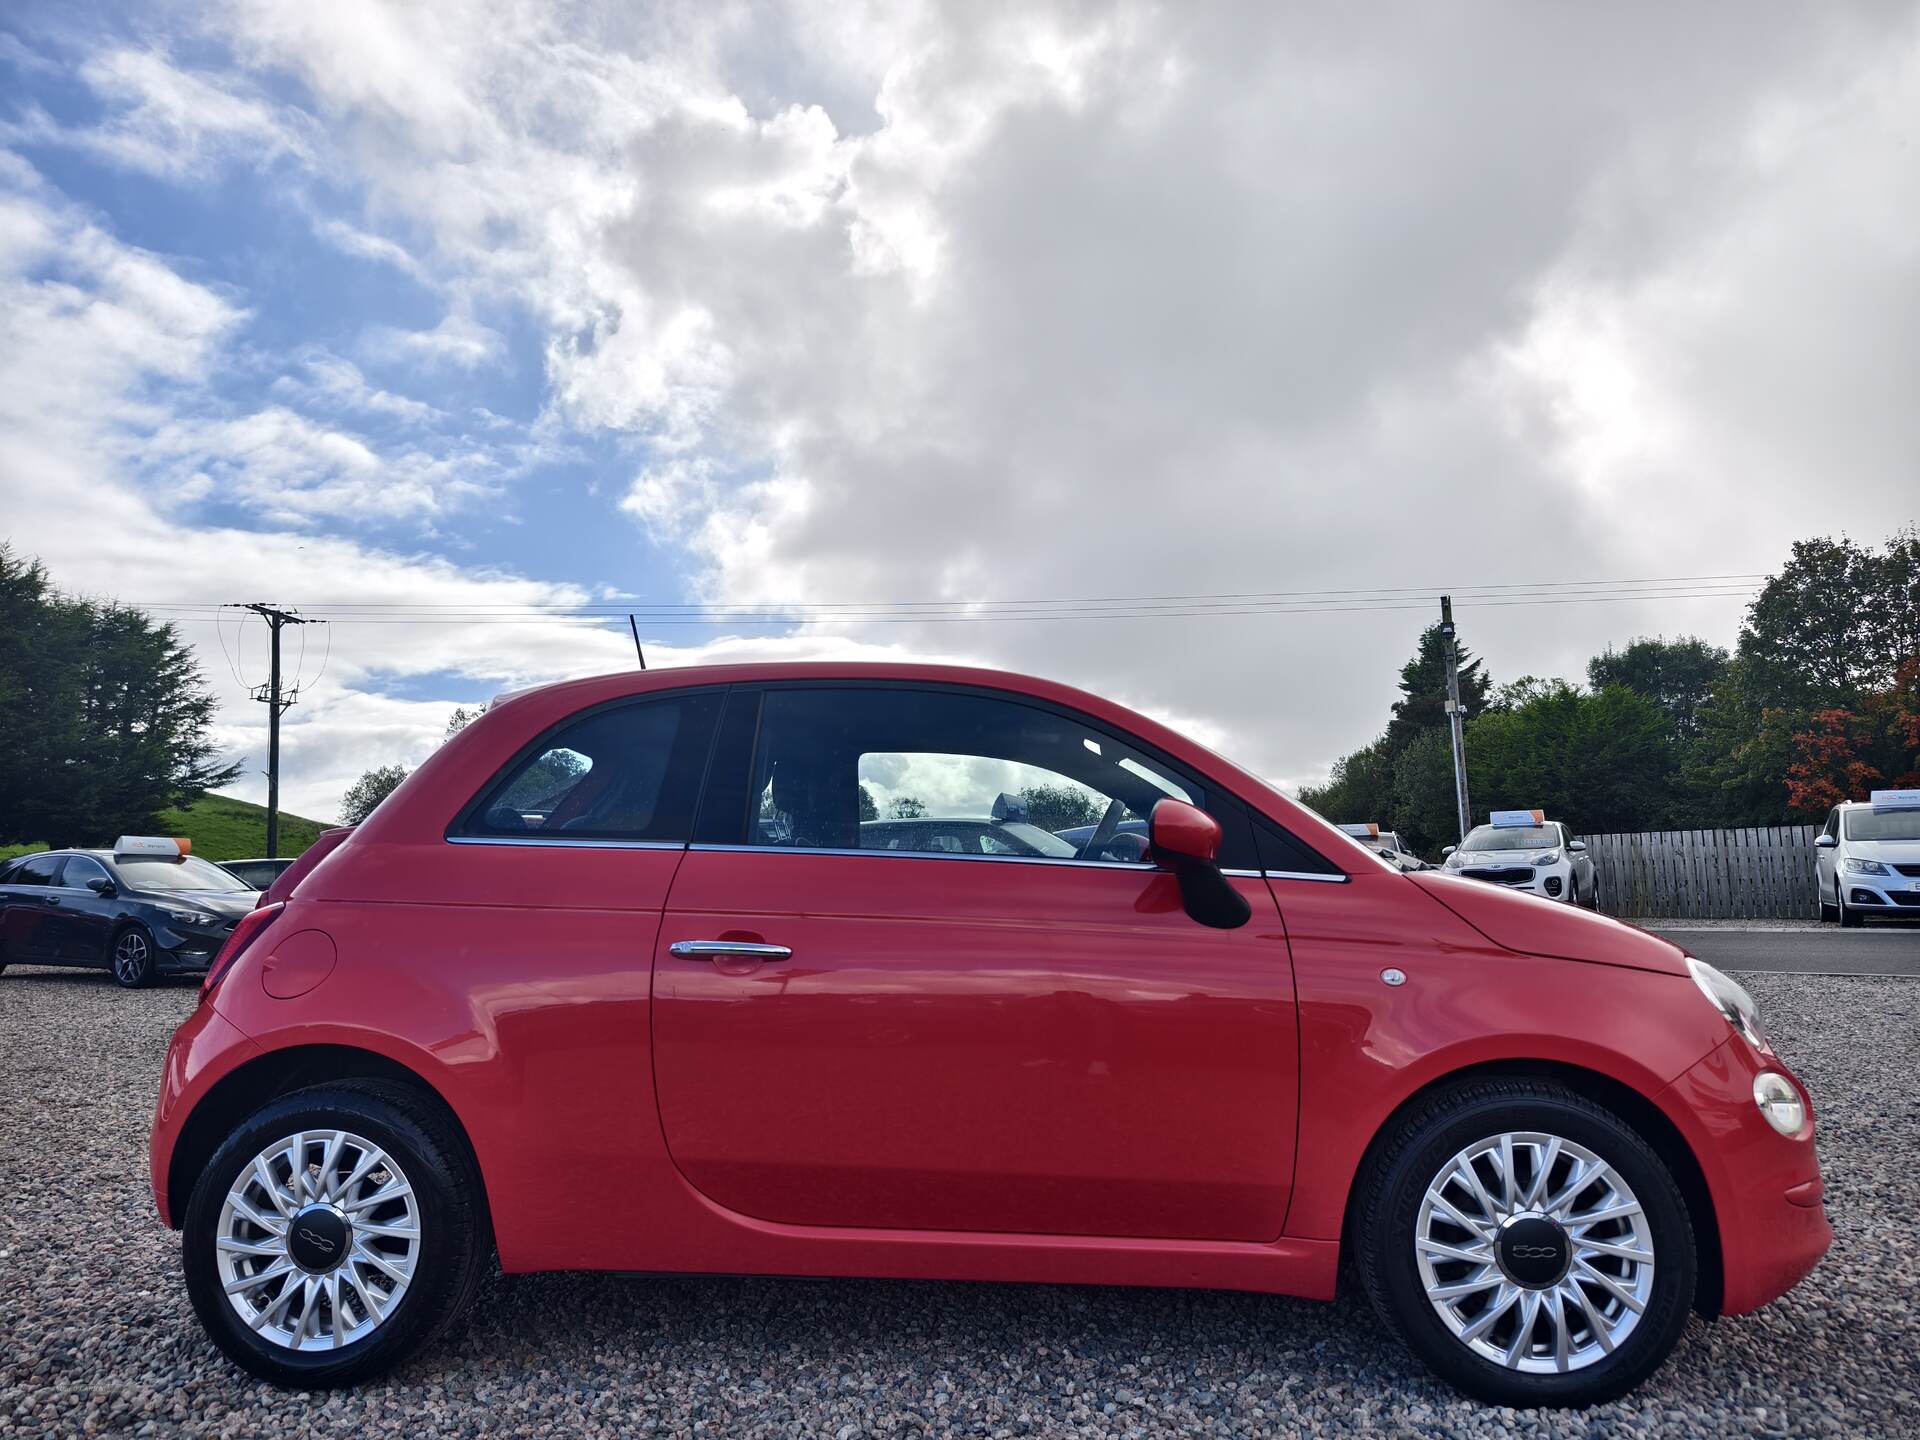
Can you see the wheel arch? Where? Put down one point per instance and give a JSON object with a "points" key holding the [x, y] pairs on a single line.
{"points": [[265, 1078], [1646, 1117]]}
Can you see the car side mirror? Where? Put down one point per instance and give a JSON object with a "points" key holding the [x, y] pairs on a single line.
{"points": [[1449, 849], [102, 886], [1824, 841], [1186, 841], [1576, 847]]}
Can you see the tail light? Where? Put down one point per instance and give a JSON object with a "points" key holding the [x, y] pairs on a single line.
{"points": [[252, 926]]}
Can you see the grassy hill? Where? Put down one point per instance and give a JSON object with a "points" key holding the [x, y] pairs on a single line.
{"points": [[222, 828]]}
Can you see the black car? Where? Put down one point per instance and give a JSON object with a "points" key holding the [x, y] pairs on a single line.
{"points": [[258, 874], [133, 915]]}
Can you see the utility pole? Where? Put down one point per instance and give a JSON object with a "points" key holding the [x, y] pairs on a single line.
{"points": [[276, 702], [1456, 721]]}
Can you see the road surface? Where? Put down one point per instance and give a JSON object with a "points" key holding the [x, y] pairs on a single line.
{"points": [[1828, 950]]}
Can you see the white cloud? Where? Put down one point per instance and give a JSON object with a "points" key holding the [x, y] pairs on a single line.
{"points": [[458, 341]]}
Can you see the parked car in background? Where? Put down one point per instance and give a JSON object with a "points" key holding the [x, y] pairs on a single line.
{"points": [[142, 909], [1523, 850], [1868, 858], [257, 874], [1387, 844], [1230, 1064]]}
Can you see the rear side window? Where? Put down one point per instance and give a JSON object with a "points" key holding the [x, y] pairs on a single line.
{"points": [[37, 870], [628, 771]]}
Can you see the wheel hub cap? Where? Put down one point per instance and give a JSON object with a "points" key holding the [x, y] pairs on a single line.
{"points": [[1534, 1252], [318, 1240]]}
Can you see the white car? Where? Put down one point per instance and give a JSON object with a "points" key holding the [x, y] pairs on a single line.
{"points": [[1868, 856], [1386, 844], [1523, 850]]}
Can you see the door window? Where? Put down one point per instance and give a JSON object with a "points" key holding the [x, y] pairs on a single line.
{"points": [[939, 772], [80, 869], [621, 772], [38, 870]]}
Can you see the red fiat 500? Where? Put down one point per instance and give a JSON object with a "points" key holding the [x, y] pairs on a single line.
{"points": [[788, 970]]}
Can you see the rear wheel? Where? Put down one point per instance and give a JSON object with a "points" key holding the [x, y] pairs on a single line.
{"points": [[1527, 1244], [132, 958], [335, 1233]]}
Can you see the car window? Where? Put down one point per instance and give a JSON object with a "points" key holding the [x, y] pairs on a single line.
{"points": [[38, 870], [1902, 824], [623, 772], [187, 873], [1513, 837], [80, 869], [942, 772]]}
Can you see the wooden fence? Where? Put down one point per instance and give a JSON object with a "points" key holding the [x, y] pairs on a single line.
{"points": [[1765, 873]]}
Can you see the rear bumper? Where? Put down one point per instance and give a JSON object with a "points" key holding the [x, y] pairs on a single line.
{"points": [[204, 1048], [1766, 1188]]}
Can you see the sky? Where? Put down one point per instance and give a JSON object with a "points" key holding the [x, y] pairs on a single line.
{"points": [[430, 320]]}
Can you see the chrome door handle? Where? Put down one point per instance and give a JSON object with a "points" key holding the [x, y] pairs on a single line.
{"points": [[714, 949]]}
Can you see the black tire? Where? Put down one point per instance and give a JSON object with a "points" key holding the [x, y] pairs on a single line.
{"points": [[1849, 919], [1829, 912], [455, 1237], [131, 959], [1392, 1187], [1573, 893]]}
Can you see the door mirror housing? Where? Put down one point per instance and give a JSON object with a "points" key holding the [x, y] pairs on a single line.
{"points": [[1825, 841], [1576, 847], [1448, 850], [102, 887], [1186, 841]]}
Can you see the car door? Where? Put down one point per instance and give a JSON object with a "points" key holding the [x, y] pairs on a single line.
{"points": [[1825, 856], [29, 924], [86, 918], [982, 1042]]}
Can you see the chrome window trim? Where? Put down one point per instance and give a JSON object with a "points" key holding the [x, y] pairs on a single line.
{"points": [[558, 842], [1118, 866], [1316, 875]]}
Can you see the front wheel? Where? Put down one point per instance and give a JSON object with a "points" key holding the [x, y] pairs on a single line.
{"points": [[1849, 919], [1527, 1244], [132, 959], [336, 1232]]}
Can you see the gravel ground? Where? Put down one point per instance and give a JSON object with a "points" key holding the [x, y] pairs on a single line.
{"points": [[96, 1336]]}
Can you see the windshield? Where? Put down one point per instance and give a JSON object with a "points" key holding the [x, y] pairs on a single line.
{"points": [[1513, 837], [187, 874], [1902, 824]]}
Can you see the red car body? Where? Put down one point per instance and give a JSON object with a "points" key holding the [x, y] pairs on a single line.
{"points": [[999, 1072]]}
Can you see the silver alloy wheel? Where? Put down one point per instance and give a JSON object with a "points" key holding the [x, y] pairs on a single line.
{"points": [[1563, 1301], [130, 957], [318, 1240]]}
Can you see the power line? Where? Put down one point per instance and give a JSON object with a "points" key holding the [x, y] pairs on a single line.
{"points": [[595, 619]]}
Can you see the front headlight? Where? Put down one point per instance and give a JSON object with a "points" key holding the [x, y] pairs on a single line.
{"points": [[1730, 1000], [189, 917], [1455, 860], [1552, 857], [1780, 1102], [1853, 865]]}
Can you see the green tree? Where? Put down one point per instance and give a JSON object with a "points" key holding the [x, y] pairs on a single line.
{"points": [[868, 810], [1677, 675], [459, 720], [1423, 689], [1360, 788], [1599, 761], [907, 807], [107, 715], [366, 793], [1062, 807], [1425, 809]]}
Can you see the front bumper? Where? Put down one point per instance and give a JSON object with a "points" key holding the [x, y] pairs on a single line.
{"points": [[1893, 893], [1551, 882], [1767, 1193], [187, 949]]}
